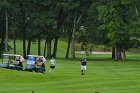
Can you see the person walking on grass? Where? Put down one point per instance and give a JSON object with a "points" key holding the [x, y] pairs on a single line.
{"points": [[52, 64], [83, 66]]}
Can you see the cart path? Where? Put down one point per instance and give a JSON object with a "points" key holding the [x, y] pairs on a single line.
{"points": [[94, 52]]}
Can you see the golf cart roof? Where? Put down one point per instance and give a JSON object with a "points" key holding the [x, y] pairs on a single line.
{"points": [[11, 55], [35, 56]]}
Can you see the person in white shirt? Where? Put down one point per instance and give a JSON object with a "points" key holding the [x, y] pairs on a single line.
{"points": [[52, 64]]}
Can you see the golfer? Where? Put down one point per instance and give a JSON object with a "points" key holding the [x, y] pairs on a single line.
{"points": [[83, 66], [52, 64]]}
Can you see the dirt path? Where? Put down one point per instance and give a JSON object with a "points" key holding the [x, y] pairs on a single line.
{"points": [[95, 52]]}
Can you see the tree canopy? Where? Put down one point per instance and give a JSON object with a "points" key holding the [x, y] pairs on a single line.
{"points": [[109, 22]]}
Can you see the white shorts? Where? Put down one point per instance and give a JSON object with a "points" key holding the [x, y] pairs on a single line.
{"points": [[83, 67]]}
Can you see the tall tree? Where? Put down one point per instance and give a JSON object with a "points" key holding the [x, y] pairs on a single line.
{"points": [[115, 21]]}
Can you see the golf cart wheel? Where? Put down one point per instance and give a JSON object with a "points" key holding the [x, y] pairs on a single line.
{"points": [[43, 72], [33, 70]]}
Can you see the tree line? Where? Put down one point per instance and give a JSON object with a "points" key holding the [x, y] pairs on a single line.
{"points": [[110, 22]]}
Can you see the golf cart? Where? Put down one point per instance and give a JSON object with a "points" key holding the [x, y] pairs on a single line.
{"points": [[12, 61], [35, 63]]}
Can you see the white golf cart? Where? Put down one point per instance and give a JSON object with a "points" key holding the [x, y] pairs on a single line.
{"points": [[12, 61], [35, 63]]}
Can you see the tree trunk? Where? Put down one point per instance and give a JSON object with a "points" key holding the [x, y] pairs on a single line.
{"points": [[24, 38], [45, 48], [68, 48], [113, 52], [124, 55], [13, 28], [24, 47], [137, 13], [6, 35], [39, 45], [72, 45], [2, 44], [55, 47], [23, 28], [73, 39], [118, 54], [29, 46], [76, 21], [49, 48], [14, 41]]}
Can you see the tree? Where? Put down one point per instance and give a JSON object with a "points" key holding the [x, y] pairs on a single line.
{"points": [[115, 21]]}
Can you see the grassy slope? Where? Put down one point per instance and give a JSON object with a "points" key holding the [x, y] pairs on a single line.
{"points": [[62, 46], [102, 75], [105, 76]]}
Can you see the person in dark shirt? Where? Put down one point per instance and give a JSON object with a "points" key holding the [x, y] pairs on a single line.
{"points": [[83, 66]]}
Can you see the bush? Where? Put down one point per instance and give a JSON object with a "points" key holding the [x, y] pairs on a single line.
{"points": [[102, 48], [134, 50], [78, 47]]}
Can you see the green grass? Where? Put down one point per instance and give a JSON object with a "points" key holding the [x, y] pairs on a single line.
{"points": [[103, 75], [62, 46]]}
